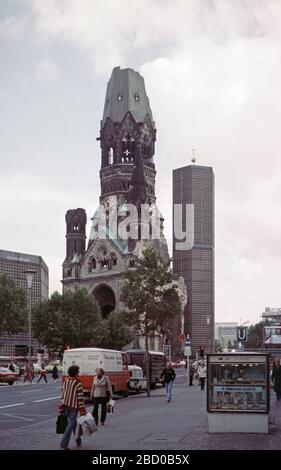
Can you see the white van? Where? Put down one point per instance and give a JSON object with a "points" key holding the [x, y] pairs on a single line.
{"points": [[114, 363]]}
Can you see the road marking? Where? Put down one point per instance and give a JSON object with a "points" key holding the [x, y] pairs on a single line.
{"points": [[32, 391], [46, 399], [9, 406], [19, 417]]}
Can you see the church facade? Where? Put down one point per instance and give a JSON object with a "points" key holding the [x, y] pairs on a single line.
{"points": [[127, 180]]}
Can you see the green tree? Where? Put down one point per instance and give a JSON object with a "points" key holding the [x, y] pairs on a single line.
{"points": [[256, 335], [151, 298], [116, 332], [71, 319], [218, 346], [13, 313]]}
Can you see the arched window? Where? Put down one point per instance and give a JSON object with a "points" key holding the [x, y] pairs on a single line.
{"points": [[128, 149], [113, 259], [110, 156], [92, 265]]}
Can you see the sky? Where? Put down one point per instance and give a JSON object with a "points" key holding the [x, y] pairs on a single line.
{"points": [[212, 71]]}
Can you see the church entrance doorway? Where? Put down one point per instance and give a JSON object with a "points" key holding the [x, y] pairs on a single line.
{"points": [[105, 297]]}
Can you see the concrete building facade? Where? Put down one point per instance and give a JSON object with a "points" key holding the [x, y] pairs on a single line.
{"points": [[14, 264]]}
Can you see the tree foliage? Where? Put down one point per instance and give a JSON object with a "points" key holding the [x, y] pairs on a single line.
{"points": [[256, 335], [71, 319], [218, 347], [151, 297], [116, 332], [13, 312]]}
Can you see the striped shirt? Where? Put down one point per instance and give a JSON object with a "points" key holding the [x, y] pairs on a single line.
{"points": [[72, 394]]}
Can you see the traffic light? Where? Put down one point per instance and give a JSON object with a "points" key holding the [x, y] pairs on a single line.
{"points": [[201, 351]]}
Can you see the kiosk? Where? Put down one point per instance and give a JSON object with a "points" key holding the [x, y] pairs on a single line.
{"points": [[238, 392]]}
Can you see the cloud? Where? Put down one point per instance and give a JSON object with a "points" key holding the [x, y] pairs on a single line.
{"points": [[212, 71], [46, 70], [12, 27]]}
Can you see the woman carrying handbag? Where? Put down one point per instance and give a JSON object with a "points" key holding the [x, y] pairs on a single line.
{"points": [[101, 393]]}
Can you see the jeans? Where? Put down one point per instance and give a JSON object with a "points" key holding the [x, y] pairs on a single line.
{"points": [[168, 387], [71, 414], [42, 377], [97, 402]]}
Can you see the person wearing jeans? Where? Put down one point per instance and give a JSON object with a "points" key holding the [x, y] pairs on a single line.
{"points": [[72, 401], [168, 376], [71, 414]]}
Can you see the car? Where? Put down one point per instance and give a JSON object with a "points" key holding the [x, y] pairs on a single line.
{"points": [[137, 381], [7, 376], [37, 368], [49, 367]]}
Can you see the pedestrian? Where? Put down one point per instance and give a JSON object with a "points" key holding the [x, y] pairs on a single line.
{"points": [[72, 401], [276, 378], [101, 393], [168, 376], [28, 376], [191, 374], [17, 369], [202, 372], [43, 374], [55, 374], [12, 367]]}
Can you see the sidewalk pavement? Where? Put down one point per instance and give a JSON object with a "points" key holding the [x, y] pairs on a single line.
{"points": [[141, 423]]}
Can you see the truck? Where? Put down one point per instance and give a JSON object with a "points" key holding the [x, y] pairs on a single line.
{"points": [[156, 359]]}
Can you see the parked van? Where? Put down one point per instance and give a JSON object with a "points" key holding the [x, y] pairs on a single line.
{"points": [[137, 381], [157, 362], [113, 362]]}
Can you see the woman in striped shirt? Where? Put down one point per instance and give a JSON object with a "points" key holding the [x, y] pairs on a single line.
{"points": [[72, 401]]}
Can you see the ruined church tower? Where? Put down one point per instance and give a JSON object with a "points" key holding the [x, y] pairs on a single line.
{"points": [[127, 176]]}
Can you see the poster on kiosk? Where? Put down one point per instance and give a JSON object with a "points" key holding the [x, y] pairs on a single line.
{"points": [[238, 392]]}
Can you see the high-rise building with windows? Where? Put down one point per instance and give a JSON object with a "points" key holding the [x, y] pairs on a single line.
{"points": [[14, 264], [194, 185]]}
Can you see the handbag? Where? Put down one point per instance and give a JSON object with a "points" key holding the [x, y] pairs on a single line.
{"points": [[110, 406], [61, 423]]}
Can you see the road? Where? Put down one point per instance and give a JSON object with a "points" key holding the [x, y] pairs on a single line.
{"points": [[28, 415], [22, 404]]}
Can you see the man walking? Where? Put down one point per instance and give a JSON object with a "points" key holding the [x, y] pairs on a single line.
{"points": [[43, 374], [169, 376], [72, 401]]}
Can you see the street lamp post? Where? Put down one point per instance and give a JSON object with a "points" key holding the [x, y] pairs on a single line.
{"points": [[29, 277]]}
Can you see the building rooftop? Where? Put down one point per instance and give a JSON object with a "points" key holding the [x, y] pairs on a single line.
{"points": [[21, 257], [126, 92]]}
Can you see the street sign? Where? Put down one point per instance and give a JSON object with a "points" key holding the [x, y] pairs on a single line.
{"points": [[167, 351], [187, 351], [181, 337], [187, 342], [242, 333]]}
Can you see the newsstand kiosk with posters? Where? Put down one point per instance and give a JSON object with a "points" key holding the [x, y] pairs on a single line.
{"points": [[238, 392]]}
